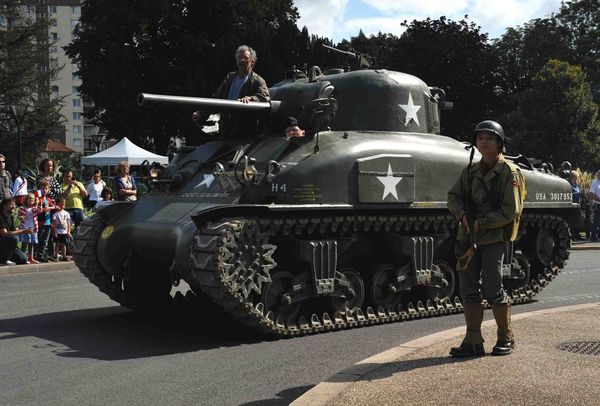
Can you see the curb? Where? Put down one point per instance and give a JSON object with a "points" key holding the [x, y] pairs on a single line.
{"points": [[329, 389], [585, 247], [38, 268]]}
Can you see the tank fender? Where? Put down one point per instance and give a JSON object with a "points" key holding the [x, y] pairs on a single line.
{"points": [[111, 211]]}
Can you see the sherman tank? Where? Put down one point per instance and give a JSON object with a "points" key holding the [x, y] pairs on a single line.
{"points": [[345, 227]]}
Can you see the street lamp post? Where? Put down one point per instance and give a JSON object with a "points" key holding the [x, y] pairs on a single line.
{"points": [[98, 140], [19, 112]]}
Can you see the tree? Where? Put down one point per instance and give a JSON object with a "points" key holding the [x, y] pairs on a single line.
{"points": [[557, 119], [455, 56], [521, 52], [581, 18], [180, 47], [26, 109]]}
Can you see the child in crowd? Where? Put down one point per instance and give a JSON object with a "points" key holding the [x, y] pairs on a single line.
{"points": [[19, 189], [106, 194], [46, 205], [61, 224], [28, 216]]}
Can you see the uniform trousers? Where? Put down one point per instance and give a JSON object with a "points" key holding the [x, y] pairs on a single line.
{"points": [[483, 280]]}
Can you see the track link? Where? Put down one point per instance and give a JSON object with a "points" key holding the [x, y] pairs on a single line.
{"points": [[85, 257], [222, 273]]}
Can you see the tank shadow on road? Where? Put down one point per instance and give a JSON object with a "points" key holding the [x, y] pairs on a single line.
{"points": [[285, 397], [113, 333], [370, 372]]}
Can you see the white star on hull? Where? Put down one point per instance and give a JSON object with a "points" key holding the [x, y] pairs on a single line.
{"points": [[389, 182], [208, 180]]}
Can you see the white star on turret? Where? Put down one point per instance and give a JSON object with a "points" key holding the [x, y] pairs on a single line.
{"points": [[389, 182], [411, 110], [208, 180]]}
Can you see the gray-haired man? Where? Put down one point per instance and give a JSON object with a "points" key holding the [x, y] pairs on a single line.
{"points": [[245, 85]]}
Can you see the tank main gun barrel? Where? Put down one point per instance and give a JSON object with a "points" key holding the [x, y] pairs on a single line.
{"points": [[207, 104]]}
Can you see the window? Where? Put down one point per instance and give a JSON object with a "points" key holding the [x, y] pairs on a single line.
{"points": [[74, 23], [75, 77], [77, 142], [74, 89], [54, 22], [76, 116], [52, 9], [76, 102], [77, 130], [53, 63], [54, 91], [53, 49], [75, 10], [54, 36], [30, 9]]}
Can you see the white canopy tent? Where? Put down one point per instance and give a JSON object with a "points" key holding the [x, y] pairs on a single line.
{"points": [[123, 150]]}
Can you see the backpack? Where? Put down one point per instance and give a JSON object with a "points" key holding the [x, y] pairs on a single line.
{"points": [[512, 228]]}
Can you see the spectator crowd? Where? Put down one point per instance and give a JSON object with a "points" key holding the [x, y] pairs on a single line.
{"points": [[38, 217]]}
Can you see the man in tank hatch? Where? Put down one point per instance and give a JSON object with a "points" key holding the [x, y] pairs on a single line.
{"points": [[292, 130], [245, 85], [487, 199]]}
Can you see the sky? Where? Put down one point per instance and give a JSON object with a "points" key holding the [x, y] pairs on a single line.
{"points": [[342, 19]]}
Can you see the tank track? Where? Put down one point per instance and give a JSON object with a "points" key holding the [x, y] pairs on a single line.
{"points": [[220, 273], [115, 287], [84, 255]]}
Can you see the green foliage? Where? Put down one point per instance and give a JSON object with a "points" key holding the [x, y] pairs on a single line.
{"points": [[25, 82], [522, 51], [455, 56], [171, 47], [556, 117], [581, 19]]}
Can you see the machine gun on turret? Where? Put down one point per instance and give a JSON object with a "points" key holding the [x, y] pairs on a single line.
{"points": [[358, 61]]}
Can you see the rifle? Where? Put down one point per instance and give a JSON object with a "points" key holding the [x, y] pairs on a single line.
{"points": [[465, 252]]}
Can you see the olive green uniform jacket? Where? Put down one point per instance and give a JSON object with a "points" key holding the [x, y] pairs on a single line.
{"points": [[497, 205]]}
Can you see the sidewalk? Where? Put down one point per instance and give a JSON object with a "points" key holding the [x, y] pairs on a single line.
{"points": [[585, 245], [556, 362], [41, 267]]}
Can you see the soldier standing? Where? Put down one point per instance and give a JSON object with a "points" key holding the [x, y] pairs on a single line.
{"points": [[245, 85], [487, 199]]}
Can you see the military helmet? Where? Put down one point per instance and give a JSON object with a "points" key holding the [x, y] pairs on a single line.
{"points": [[491, 126]]}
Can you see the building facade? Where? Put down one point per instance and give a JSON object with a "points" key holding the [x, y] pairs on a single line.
{"points": [[79, 133]]}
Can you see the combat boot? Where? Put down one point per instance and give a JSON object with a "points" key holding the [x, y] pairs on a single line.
{"points": [[472, 345], [506, 339]]}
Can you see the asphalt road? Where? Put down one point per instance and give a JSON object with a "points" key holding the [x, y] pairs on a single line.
{"points": [[62, 342]]}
